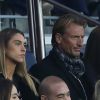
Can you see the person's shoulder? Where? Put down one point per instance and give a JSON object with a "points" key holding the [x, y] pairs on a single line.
{"points": [[48, 63], [43, 62], [38, 66]]}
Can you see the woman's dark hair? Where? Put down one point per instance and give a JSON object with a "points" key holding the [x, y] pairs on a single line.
{"points": [[5, 89]]}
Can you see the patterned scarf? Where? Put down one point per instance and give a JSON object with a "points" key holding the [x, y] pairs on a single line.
{"points": [[74, 65]]}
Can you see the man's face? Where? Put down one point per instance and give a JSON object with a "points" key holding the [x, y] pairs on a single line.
{"points": [[59, 91], [72, 40]]}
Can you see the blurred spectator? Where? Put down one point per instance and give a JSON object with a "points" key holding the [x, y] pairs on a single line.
{"points": [[46, 8], [97, 91], [78, 5], [8, 90], [92, 58], [94, 8], [30, 59], [17, 6]]}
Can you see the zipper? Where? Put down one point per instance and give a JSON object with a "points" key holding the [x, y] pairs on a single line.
{"points": [[80, 84]]}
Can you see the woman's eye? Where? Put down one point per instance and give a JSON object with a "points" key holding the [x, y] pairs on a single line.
{"points": [[17, 43], [14, 97]]}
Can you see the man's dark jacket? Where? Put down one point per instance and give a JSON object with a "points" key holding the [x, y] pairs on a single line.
{"points": [[52, 65]]}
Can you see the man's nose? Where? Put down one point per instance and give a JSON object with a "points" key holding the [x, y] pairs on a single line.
{"points": [[80, 42]]}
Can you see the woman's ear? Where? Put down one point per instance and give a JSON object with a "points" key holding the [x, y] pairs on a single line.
{"points": [[58, 38]]}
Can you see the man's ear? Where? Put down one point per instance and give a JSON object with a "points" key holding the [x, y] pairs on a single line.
{"points": [[44, 97], [58, 38]]}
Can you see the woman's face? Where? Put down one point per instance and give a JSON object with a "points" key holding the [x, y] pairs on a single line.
{"points": [[14, 94], [15, 49]]}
